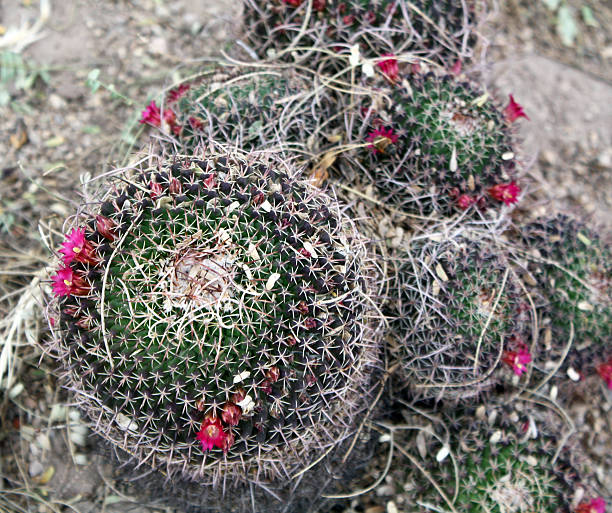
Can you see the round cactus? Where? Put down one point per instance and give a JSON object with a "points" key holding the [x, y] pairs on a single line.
{"points": [[246, 108], [569, 268], [499, 460], [456, 316], [440, 30], [434, 145], [213, 317]]}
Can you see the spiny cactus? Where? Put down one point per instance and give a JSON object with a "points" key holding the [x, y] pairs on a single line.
{"points": [[456, 316], [248, 108], [434, 145], [569, 268], [214, 317], [441, 30], [499, 460]]}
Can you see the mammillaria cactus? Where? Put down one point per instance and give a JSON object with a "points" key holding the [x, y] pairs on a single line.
{"points": [[266, 108], [435, 145], [499, 460], [457, 315], [439, 30], [214, 317], [569, 267]]}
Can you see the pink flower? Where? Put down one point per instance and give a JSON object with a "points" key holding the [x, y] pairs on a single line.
{"points": [[464, 201], [597, 505], [294, 3], [106, 227], [513, 111], [175, 94], [518, 360], [605, 371], [211, 433], [231, 414], [195, 123], [66, 283], [156, 189], [506, 192], [389, 68], [151, 115], [380, 138], [78, 248], [456, 69]]}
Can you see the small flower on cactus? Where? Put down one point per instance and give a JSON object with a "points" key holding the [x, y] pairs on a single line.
{"points": [[156, 189], [381, 138], [152, 116], [597, 505], [456, 68], [211, 433], [106, 227], [78, 248], [66, 283], [231, 414], [605, 371], [389, 68], [465, 201], [228, 441], [513, 111], [506, 192], [175, 94], [518, 359]]}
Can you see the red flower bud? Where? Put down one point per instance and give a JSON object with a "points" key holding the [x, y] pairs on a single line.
{"points": [[231, 414], [175, 186], [106, 227]]}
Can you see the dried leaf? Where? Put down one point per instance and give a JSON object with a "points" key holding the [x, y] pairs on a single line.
{"points": [[46, 476], [20, 137], [319, 173], [441, 273]]}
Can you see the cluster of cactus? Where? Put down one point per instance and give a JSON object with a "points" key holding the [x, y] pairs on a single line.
{"points": [[499, 460], [457, 307], [213, 311], [436, 29], [434, 145], [216, 313]]}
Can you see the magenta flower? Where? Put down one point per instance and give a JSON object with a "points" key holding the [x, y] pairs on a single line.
{"points": [[151, 115], [518, 360], [513, 111], [605, 371], [389, 68], [211, 433], [66, 283], [506, 192], [380, 138], [175, 94], [464, 201], [78, 248], [597, 505]]}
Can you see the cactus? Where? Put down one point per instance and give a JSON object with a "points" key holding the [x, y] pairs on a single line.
{"points": [[499, 460], [434, 146], [569, 268], [213, 318], [247, 108], [440, 30], [456, 316]]}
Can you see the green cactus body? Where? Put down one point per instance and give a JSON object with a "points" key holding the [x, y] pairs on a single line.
{"points": [[440, 30], [434, 146], [250, 109], [456, 311], [570, 269], [504, 463], [227, 306]]}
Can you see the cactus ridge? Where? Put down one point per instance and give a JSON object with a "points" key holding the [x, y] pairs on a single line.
{"points": [[457, 307], [440, 30], [227, 282], [446, 139]]}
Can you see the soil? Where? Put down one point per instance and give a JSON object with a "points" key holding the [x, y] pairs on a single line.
{"points": [[55, 133]]}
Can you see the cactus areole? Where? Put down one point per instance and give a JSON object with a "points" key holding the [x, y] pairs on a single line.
{"points": [[212, 315]]}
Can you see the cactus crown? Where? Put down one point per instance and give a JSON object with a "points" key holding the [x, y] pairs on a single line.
{"points": [[439, 145], [432, 28], [249, 109], [218, 300], [457, 308], [501, 460]]}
